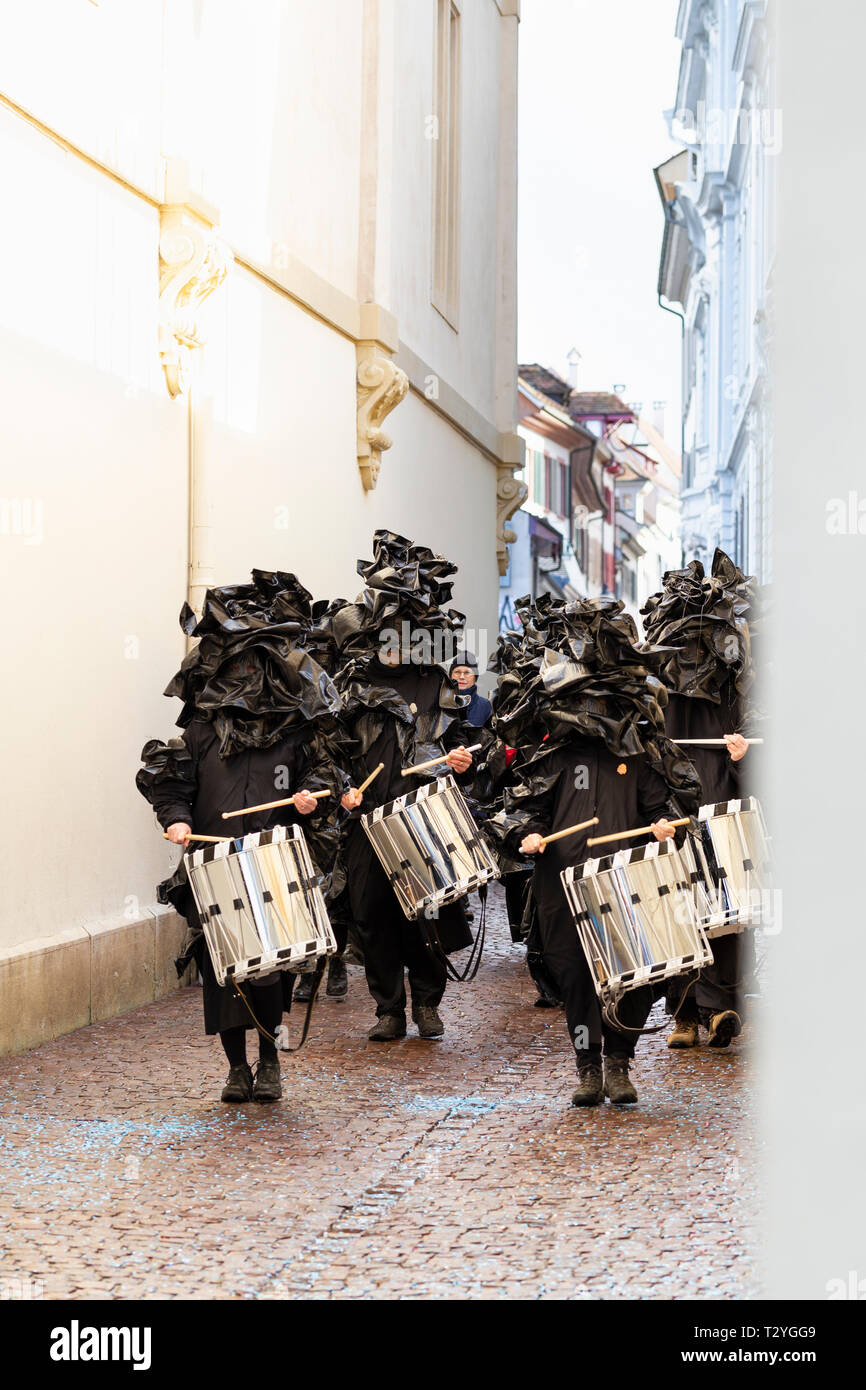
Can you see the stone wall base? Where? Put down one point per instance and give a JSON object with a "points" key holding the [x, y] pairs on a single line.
{"points": [[54, 984]]}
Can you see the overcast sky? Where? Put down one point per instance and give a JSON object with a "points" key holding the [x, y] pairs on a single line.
{"points": [[595, 77]]}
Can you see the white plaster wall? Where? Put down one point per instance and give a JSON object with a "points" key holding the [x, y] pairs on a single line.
{"points": [[91, 440], [466, 358]]}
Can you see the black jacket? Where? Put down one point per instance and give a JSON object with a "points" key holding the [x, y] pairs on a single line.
{"points": [[570, 784], [689, 717]]}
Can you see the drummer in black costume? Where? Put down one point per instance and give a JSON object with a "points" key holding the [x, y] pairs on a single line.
{"points": [[703, 620], [400, 708], [596, 747], [259, 722]]}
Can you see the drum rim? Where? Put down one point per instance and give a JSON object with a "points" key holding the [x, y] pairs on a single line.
{"points": [[399, 803]]}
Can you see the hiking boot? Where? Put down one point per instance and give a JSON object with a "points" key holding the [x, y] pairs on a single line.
{"points": [[722, 1027], [388, 1028], [591, 1088], [617, 1086], [304, 988], [338, 980], [429, 1023], [685, 1033], [239, 1085], [268, 1085]]}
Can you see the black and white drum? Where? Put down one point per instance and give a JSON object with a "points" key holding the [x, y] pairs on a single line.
{"points": [[429, 846], [635, 915], [260, 903], [729, 866]]}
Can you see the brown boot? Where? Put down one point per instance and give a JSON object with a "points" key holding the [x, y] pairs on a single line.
{"points": [[685, 1033], [722, 1027], [617, 1086], [591, 1088]]}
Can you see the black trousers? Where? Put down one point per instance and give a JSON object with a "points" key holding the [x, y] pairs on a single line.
{"points": [[721, 985], [392, 944], [565, 959]]}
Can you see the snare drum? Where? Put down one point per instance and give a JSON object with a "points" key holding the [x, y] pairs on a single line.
{"points": [[635, 915], [429, 846], [260, 904], [729, 867]]}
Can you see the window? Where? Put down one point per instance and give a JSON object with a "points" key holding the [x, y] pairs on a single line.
{"points": [[446, 170], [539, 478]]}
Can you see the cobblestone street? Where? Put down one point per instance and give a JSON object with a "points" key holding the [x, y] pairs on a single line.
{"points": [[411, 1170]]}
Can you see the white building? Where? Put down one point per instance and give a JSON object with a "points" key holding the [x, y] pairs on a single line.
{"points": [[326, 195], [647, 493], [716, 260]]}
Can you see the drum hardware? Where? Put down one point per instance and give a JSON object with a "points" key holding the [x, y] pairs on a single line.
{"points": [[635, 915], [433, 854], [429, 847], [260, 903], [729, 866]]}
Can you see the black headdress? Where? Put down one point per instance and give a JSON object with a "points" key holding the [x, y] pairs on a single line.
{"points": [[698, 629]]}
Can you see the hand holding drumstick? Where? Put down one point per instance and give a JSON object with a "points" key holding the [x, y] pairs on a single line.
{"points": [[662, 829], [351, 799]]}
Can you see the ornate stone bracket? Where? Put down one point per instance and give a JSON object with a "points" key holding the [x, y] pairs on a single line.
{"points": [[381, 385], [193, 262], [510, 494]]}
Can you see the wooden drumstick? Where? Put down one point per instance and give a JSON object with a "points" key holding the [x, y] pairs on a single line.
{"points": [[628, 834], [569, 830], [711, 742], [211, 839], [269, 805], [422, 767], [375, 773]]}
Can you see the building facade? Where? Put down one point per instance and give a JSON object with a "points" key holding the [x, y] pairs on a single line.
{"points": [[715, 272], [601, 514], [246, 317]]}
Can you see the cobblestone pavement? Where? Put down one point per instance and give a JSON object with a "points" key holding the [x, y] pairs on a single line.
{"points": [[415, 1169]]}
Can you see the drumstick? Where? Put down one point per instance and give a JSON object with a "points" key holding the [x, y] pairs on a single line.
{"points": [[422, 767], [212, 839], [375, 773], [569, 830], [268, 805], [627, 834], [711, 742]]}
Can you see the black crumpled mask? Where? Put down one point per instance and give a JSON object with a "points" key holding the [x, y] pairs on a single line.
{"points": [[404, 583], [697, 629], [250, 673], [575, 670]]}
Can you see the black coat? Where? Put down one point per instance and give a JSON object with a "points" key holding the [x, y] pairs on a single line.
{"points": [[388, 731], [689, 717], [211, 785], [570, 784]]}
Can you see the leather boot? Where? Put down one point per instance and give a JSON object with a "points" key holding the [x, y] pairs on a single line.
{"points": [[304, 987], [722, 1027], [429, 1023], [338, 980], [685, 1033], [617, 1086], [239, 1085], [388, 1028], [591, 1088], [268, 1085]]}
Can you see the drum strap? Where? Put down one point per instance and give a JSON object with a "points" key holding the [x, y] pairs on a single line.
{"points": [[281, 1047], [428, 927], [611, 1016]]}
